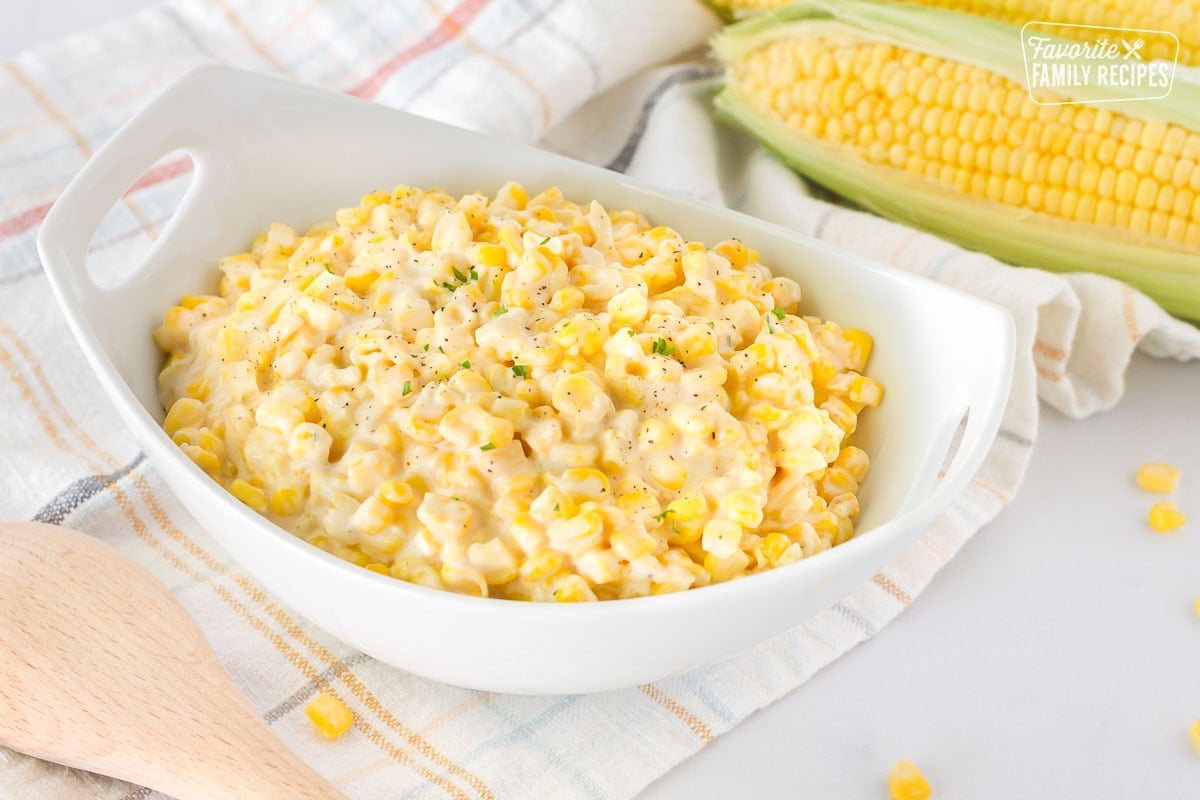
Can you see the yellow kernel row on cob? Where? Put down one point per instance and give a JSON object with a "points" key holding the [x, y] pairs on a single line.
{"points": [[1181, 17], [923, 115]]}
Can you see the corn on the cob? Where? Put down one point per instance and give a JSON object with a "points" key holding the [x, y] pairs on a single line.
{"points": [[1181, 17], [922, 115]]}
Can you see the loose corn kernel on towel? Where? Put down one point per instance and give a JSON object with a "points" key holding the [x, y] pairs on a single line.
{"points": [[580, 77]]}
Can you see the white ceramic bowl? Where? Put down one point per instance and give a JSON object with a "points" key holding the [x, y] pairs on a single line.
{"points": [[267, 150]]}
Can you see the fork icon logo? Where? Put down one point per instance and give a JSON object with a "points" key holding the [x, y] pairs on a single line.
{"points": [[1133, 50]]}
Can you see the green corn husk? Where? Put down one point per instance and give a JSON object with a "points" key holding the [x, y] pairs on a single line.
{"points": [[1167, 271], [726, 14]]}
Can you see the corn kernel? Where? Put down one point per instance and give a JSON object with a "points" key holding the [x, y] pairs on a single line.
{"points": [[696, 343], [721, 537], [192, 301], [822, 373], [1156, 477], [866, 391], [360, 279], [632, 543], [628, 307], [637, 501], [774, 545], [687, 507], [738, 254], [803, 460], [860, 348], [655, 434], [567, 299], [586, 482], [351, 217], [373, 515], [855, 461], [329, 715], [574, 393], [396, 493], [492, 255], [249, 494], [1194, 730], [723, 569], [743, 507], [905, 782], [286, 502], [204, 459], [185, 412], [669, 472], [542, 565], [682, 533], [772, 417], [232, 343], [573, 589], [1165, 517], [578, 533]]}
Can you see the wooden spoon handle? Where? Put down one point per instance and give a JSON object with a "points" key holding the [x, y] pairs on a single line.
{"points": [[102, 669]]}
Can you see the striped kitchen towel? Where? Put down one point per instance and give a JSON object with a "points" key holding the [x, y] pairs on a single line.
{"points": [[623, 83]]}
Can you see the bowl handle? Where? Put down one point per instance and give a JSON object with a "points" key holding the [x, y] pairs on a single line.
{"points": [[180, 118], [988, 382]]}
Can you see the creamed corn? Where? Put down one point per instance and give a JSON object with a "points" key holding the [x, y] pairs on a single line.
{"points": [[521, 397]]}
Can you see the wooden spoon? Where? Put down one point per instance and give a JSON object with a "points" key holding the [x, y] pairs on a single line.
{"points": [[102, 669]]}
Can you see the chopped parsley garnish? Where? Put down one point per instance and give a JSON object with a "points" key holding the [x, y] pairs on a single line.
{"points": [[441, 350], [465, 365], [545, 241], [426, 348], [327, 268], [488, 446], [500, 310], [779, 313], [663, 515], [661, 347], [630, 332], [407, 389], [463, 278], [521, 370]]}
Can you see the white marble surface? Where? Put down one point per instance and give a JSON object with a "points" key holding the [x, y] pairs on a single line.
{"points": [[1058, 656]]}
